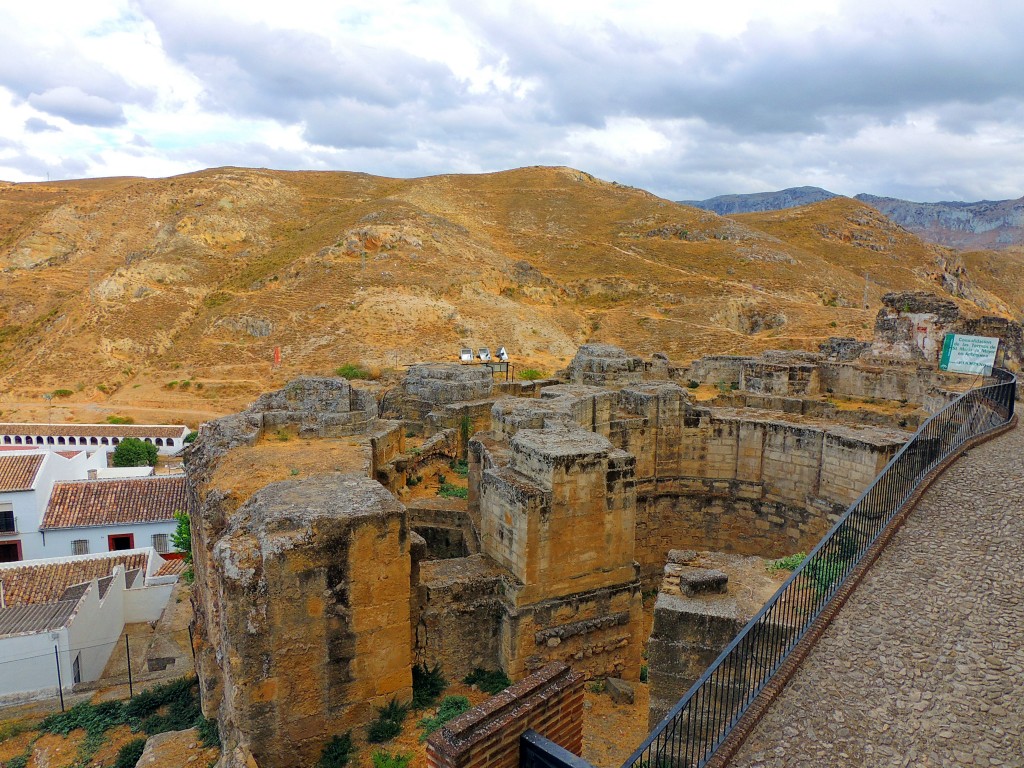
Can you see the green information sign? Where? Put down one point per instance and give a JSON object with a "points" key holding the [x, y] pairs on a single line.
{"points": [[968, 354]]}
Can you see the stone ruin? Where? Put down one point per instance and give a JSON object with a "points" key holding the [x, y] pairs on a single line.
{"points": [[316, 594]]}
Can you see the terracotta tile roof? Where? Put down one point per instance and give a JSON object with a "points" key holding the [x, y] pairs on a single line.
{"points": [[67, 454], [94, 430], [174, 567], [17, 473], [47, 582], [116, 502]]}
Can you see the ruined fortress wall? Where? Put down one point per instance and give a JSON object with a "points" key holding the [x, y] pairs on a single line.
{"points": [[885, 383], [459, 615], [310, 582], [598, 632], [735, 483]]}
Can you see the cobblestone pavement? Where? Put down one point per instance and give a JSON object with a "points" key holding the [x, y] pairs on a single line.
{"points": [[924, 666]]}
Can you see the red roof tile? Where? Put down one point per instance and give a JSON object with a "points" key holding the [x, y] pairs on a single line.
{"points": [[46, 582], [173, 567], [116, 502], [17, 473]]}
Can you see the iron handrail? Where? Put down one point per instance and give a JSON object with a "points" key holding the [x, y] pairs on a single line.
{"points": [[696, 726]]}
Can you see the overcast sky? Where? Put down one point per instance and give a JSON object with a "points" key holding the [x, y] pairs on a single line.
{"points": [[922, 100]]}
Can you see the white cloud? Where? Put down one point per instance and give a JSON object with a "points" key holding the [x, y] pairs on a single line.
{"points": [[687, 100]]}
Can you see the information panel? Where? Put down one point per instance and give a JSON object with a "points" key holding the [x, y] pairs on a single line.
{"points": [[968, 354]]}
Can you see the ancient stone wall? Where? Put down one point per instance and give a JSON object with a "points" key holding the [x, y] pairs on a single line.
{"points": [[318, 407], [459, 615], [550, 702], [305, 613], [604, 365]]}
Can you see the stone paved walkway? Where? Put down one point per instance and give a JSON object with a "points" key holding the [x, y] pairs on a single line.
{"points": [[924, 666]]}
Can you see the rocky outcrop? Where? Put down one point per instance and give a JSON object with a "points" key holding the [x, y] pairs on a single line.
{"points": [[982, 225]]}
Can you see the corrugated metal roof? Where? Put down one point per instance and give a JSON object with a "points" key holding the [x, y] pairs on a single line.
{"points": [[22, 619]]}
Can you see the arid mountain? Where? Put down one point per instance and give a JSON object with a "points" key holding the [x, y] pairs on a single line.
{"points": [[759, 202], [965, 226], [987, 224], [135, 294]]}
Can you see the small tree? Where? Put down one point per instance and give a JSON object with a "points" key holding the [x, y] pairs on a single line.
{"points": [[132, 452], [182, 541]]}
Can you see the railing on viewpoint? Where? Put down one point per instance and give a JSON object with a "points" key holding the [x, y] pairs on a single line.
{"points": [[537, 752], [697, 725]]}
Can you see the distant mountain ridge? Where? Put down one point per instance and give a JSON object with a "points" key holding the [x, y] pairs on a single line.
{"points": [[983, 225]]}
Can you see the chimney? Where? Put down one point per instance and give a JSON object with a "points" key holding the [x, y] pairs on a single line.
{"points": [[93, 473]]}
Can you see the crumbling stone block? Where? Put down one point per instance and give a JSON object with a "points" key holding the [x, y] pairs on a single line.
{"points": [[620, 691], [606, 366]]}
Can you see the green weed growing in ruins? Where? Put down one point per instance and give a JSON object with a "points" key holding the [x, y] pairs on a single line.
{"points": [[487, 680], [450, 491], [427, 685], [450, 708], [388, 760], [337, 752], [388, 723], [787, 563]]}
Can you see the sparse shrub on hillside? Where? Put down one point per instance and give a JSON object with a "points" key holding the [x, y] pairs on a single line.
{"points": [[427, 684], [132, 452], [530, 374], [337, 752], [185, 384], [352, 371], [62, 393], [171, 384], [450, 708], [488, 681], [692, 384], [120, 420]]}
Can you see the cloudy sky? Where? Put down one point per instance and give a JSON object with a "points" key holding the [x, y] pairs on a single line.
{"points": [[922, 100]]}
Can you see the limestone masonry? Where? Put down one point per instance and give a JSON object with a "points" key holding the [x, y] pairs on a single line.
{"points": [[318, 589]]}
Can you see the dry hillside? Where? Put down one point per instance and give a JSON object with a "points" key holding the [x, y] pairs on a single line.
{"points": [[113, 289]]}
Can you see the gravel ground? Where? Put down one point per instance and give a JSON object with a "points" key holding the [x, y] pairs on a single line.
{"points": [[924, 666]]}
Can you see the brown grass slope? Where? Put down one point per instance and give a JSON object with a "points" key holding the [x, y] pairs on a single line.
{"points": [[115, 288]]}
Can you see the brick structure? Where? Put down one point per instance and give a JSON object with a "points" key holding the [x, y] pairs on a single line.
{"points": [[550, 702]]}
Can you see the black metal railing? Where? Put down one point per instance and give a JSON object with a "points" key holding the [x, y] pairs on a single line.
{"points": [[696, 726], [537, 752]]}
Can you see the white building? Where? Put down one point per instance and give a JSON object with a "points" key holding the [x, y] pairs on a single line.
{"points": [[90, 516], [67, 614], [168, 438], [26, 478]]}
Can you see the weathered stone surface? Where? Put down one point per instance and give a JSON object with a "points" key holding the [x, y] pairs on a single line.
{"points": [[911, 326], [620, 691], [305, 617], [605, 365]]}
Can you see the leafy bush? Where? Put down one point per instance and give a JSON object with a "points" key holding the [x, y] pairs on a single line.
{"points": [[388, 723], [129, 754], [120, 420], [427, 684], [62, 393], [94, 719], [530, 374], [132, 452], [787, 563], [191, 436], [387, 760], [337, 752], [450, 491], [488, 681], [460, 467], [693, 384], [352, 371], [173, 706], [451, 707]]}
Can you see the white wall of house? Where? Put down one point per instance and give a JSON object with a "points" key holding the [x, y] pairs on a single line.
{"points": [[30, 506], [27, 665], [96, 627], [59, 540]]}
